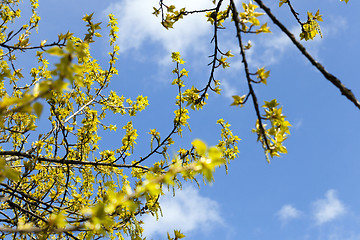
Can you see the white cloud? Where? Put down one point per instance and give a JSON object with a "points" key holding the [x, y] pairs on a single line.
{"points": [[334, 25], [329, 208], [344, 236], [287, 213], [137, 25], [270, 48], [276, 45], [228, 89], [187, 211], [298, 123]]}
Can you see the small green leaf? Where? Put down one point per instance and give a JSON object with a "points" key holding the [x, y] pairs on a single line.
{"points": [[38, 107], [55, 51], [199, 146], [178, 234], [238, 100]]}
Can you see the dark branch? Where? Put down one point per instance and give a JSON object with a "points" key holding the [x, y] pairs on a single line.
{"points": [[247, 72], [68, 162], [334, 80]]}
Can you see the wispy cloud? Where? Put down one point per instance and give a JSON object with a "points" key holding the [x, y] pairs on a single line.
{"points": [[270, 48], [329, 208], [298, 123], [344, 236], [137, 25], [334, 25], [288, 213], [187, 211], [228, 89]]}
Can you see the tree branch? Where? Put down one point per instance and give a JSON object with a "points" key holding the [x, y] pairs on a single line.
{"points": [[246, 67], [72, 162], [334, 80]]}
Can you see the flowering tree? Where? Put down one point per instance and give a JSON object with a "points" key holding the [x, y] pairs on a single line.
{"points": [[58, 182]]}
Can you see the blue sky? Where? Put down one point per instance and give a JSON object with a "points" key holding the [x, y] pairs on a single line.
{"points": [[310, 193]]}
